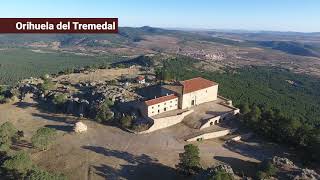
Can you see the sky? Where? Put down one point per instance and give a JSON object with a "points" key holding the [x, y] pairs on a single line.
{"points": [[269, 15]]}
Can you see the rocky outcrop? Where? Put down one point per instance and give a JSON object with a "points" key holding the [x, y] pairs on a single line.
{"points": [[225, 168], [293, 171]]}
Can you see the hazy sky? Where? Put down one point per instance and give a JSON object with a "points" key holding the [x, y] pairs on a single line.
{"points": [[278, 15]]}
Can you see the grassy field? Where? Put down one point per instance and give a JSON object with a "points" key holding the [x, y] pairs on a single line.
{"points": [[20, 63]]}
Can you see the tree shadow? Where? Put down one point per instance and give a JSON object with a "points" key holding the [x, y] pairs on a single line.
{"points": [[54, 118], [21, 144], [138, 167], [67, 128], [24, 105], [240, 167]]}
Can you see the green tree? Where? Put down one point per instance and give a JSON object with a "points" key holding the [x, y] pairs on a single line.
{"points": [[104, 113], [245, 108], [18, 164], [43, 138], [7, 133], [47, 85], [189, 159], [59, 100]]}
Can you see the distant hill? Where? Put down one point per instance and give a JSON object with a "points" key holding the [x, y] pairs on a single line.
{"points": [[295, 48]]}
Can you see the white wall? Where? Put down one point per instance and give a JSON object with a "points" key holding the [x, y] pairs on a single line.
{"points": [[160, 107], [200, 96]]}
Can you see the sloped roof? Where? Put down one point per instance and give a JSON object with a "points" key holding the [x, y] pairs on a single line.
{"points": [[196, 84], [140, 78], [160, 99]]}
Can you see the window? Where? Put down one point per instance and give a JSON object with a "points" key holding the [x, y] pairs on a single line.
{"points": [[158, 110], [159, 105], [152, 107], [164, 109], [152, 112], [206, 91], [170, 101], [165, 103]]}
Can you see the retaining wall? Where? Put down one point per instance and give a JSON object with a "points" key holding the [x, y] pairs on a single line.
{"points": [[165, 122]]}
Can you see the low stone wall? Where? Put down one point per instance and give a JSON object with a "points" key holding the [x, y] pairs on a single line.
{"points": [[166, 122], [211, 135], [218, 119]]}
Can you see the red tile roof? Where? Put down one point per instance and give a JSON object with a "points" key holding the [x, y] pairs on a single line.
{"points": [[140, 78], [196, 84], [160, 99]]}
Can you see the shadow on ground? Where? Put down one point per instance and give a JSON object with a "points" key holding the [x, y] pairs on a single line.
{"points": [[65, 128], [52, 117], [253, 149], [138, 167], [24, 104]]}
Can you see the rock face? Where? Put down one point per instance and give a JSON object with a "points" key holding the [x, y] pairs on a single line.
{"points": [[295, 172], [279, 161], [304, 174], [224, 167], [80, 127]]}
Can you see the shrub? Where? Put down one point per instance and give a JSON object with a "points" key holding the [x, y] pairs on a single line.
{"points": [[19, 163], [43, 138], [7, 134], [126, 121]]}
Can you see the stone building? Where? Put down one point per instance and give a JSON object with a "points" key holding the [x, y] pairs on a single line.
{"points": [[182, 95]]}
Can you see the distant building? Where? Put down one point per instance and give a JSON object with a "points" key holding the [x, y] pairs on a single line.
{"points": [[141, 80], [182, 95]]}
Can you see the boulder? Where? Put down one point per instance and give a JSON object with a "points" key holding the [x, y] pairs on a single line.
{"points": [[80, 127]]}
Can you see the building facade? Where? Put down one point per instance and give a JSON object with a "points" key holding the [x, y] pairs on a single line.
{"points": [[159, 105], [197, 91], [182, 95]]}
